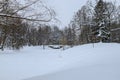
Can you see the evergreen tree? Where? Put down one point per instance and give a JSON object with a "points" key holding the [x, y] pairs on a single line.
{"points": [[101, 30]]}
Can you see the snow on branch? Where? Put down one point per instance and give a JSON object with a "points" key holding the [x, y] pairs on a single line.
{"points": [[115, 29]]}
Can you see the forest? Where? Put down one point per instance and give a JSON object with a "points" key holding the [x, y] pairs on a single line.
{"points": [[27, 24]]}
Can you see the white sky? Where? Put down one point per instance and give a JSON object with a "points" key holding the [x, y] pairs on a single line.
{"points": [[65, 9]]}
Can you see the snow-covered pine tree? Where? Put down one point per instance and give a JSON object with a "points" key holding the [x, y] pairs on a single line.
{"points": [[101, 30]]}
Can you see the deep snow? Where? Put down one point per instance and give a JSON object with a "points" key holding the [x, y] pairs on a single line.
{"points": [[78, 63]]}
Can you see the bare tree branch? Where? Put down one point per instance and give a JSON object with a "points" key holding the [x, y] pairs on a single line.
{"points": [[9, 16]]}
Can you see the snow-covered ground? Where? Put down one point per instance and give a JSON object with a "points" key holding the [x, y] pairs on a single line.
{"points": [[78, 63]]}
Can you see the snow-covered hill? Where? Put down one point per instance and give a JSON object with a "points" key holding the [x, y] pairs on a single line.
{"points": [[78, 63]]}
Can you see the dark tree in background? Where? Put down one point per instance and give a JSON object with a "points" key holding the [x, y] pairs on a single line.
{"points": [[101, 28]]}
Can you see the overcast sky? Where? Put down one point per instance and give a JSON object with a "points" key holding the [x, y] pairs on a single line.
{"points": [[65, 9]]}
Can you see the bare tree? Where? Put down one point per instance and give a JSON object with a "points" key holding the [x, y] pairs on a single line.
{"points": [[31, 10], [26, 11]]}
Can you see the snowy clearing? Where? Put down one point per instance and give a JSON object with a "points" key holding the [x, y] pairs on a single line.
{"points": [[78, 63]]}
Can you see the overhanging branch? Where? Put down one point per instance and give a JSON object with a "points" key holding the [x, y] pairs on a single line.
{"points": [[23, 18]]}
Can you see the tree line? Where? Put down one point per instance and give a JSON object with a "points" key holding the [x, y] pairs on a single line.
{"points": [[97, 23], [91, 24], [16, 16]]}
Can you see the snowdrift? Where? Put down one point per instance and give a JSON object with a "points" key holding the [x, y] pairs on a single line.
{"points": [[78, 63]]}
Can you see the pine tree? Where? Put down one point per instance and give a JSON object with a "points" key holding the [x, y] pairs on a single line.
{"points": [[101, 30]]}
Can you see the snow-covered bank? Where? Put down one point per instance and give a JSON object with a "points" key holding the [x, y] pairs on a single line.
{"points": [[78, 63]]}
